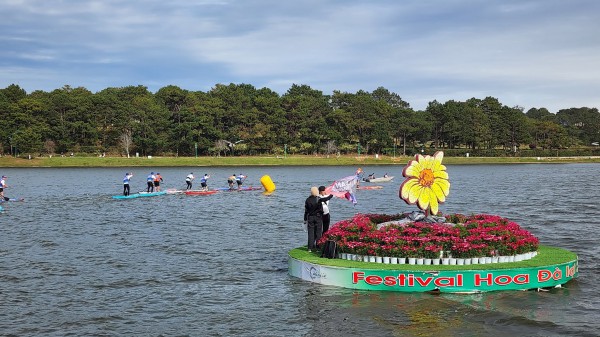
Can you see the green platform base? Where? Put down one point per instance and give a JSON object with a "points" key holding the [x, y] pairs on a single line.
{"points": [[552, 267]]}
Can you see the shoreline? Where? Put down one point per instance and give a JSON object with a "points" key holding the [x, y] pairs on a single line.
{"points": [[290, 160]]}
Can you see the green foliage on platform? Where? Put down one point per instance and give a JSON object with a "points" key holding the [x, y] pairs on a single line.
{"points": [[547, 256]]}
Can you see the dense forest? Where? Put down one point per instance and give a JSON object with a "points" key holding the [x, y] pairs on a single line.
{"points": [[238, 119]]}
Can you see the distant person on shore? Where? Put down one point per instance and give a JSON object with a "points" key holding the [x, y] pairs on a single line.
{"points": [[239, 179], [126, 181], [157, 180], [324, 200], [230, 181], [150, 182], [188, 180], [203, 182]]}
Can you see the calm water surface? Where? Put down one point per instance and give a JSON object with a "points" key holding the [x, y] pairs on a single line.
{"points": [[75, 262]]}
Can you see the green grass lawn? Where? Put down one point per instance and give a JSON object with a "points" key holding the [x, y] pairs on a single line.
{"points": [[295, 160], [546, 256]]}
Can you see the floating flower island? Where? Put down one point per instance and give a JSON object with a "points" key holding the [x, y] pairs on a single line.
{"points": [[457, 254], [416, 252]]}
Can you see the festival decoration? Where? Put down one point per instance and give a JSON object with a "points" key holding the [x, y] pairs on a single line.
{"points": [[426, 183]]}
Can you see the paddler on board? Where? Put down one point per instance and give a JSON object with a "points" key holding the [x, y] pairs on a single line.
{"points": [[203, 182], [2, 187], [230, 181], [239, 179], [188, 180], [126, 181], [157, 180]]}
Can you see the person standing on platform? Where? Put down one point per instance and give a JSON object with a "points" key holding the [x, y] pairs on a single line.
{"points": [[126, 181], [150, 182], [188, 180], [313, 217], [325, 202]]}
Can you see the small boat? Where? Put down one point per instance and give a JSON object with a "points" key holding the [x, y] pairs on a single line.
{"points": [[378, 180], [369, 187], [199, 192], [138, 195]]}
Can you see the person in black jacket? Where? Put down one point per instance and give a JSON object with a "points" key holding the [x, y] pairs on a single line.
{"points": [[313, 217]]}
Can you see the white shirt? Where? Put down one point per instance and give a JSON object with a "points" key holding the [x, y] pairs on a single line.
{"points": [[325, 207]]}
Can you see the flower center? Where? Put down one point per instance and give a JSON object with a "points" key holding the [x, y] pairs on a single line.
{"points": [[426, 178]]}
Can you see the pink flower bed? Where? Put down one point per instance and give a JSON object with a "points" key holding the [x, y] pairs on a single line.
{"points": [[461, 236]]}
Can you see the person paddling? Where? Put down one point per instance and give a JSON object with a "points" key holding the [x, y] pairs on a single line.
{"points": [[150, 182], [188, 180], [203, 182], [2, 187], [126, 181], [239, 179], [230, 181], [157, 180]]}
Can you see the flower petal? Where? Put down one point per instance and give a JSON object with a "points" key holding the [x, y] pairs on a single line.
{"points": [[436, 189], [440, 174], [423, 201], [412, 170], [414, 193], [444, 185], [433, 205], [406, 186]]}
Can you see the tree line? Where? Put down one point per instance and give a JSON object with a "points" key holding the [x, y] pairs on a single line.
{"points": [[239, 119]]}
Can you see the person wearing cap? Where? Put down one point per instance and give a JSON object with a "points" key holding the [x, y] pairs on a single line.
{"points": [[157, 180], [150, 182], [325, 202], [3, 186], [188, 180], [126, 181]]}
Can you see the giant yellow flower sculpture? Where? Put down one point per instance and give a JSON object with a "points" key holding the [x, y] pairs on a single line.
{"points": [[426, 182]]}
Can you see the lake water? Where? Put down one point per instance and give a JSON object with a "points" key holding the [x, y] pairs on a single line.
{"points": [[75, 262]]}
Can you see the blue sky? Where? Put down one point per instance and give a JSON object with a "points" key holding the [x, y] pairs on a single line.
{"points": [[526, 53]]}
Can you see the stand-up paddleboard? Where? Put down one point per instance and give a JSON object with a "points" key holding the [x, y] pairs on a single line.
{"points": [[174, 191], [138, 195], [243, 189], [199, 192], [369, 187], [11, 199]]}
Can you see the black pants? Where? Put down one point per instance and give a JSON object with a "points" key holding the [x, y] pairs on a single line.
{"points": [[150, 187], [326, 222], [189, 184], [315, 230], [126, 189]]}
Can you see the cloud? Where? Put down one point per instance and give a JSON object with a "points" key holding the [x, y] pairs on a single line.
{"points": [[527, 53]]}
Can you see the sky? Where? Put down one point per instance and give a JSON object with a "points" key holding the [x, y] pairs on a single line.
{"points": [[526, 53]]}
